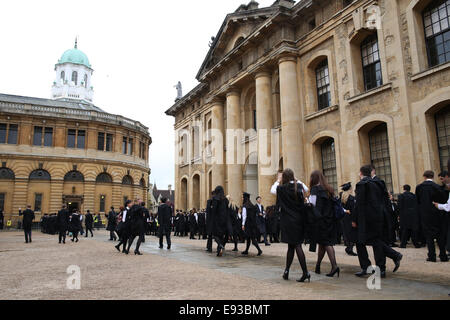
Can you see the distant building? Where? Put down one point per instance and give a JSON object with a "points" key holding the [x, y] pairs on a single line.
{"points": [[155, 196], [67, 150]]}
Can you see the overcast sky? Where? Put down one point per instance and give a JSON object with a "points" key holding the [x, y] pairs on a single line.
{"points": [[139, 49]]}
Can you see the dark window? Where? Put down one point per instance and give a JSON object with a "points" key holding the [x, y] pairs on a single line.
{"points": [[75, 77], [63, 76], [7, 174], [104, 178], [74, 176], [443, 135], [41, 175], [437, 32], [38, 202], [142, 183], [2, 132], [329, 162], [124, 145], [379, 153], [130, 146], [254, 120], [109, 142], [346, 3], [101, 141], [323, 85], [371, 63], [127, 180], [312, 24], [71, 136], [81, 138], [2, 201], [12, 134], [102, 203], [85, 80], [48, 137], [37, 138]]}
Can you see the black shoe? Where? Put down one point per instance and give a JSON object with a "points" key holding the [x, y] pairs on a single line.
{"points": [[334, 272], [127, 252], [117, 247], [208, 250], [77, 240], [431, 260], [137, 253], [245, 253], [383, 274], [397, 262], [317, 269], [235, 250], [260, 253], [168, 248], [305, 277], [444, 259], [351, 253], [286, 275], [361, 274], [161, 247], [268, 244], [72, 240]]}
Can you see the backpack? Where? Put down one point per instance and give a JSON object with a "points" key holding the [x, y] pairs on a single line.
{"points": [[339, 211]]}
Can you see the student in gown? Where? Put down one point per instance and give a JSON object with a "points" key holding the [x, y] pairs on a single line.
{"points": [[75, 226], [27, 222], [219, 214], [137, 226], [434, 222], [88, 222], [123, 228], [209, 224], [409, 217], [111, 227], [249, 225], [348, 203], [322, 200], [62, 220], [445, 208], [291, 202], [165, 223]]}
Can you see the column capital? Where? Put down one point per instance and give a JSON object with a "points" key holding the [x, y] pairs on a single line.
{"points": [[233, 91], [287, 57], [262, 72], [216, 100]]}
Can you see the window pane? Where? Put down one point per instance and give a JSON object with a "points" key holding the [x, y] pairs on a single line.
{"points": [[2, 132], [109, 142], [12, 135], [37, 138], [101, 141], [102, 203], [81, 139], [130, 146], [380, 155], [71, 138], [443, 136], [38, 202], [48, 137], [2, 201], [329, 163], [124, 145]]}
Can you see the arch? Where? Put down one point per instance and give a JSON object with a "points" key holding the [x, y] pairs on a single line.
{"points": [[7, 174], [276, 101], [250, 176], [104, 178], [74, 176], [85, 80], [75, 77], [196, 191], [63, 76], [184, 194], [248, 101], [40, 175], [127, 180]]}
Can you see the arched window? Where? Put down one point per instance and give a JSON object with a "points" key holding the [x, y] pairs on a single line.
{"points": [[74, 176], [63, 76], [437, 32], [142, 183], [75, 77], [7, 174], [380, 155], [323, 85], [103, 178], [328, 151], [443, 135], [371, 63], [127, 180], [40, 175], [85, 80]]}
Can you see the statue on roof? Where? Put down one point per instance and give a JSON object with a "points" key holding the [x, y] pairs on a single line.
{"points": [[179, 91]]}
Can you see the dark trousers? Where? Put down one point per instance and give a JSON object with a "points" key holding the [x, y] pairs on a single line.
{"points": [[409, 233], [441, 241], [27, 233], [138, 244], [209, 242], [112, 235], [62, 235], [161, 238], [363, 256], [89, 228]]}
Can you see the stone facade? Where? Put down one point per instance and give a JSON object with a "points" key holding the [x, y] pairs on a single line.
{"points": [[50, 155], [336, 84]]}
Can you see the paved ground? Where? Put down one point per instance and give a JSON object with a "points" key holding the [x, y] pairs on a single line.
{"points": [[38, 271]]}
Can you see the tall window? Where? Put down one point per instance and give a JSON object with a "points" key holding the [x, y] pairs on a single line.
{"points": [[371, 63], [38, 202], [63, 76], [75, 77], [85, 80], [105, 142], [142, 150], [8, 133], [127, 145], [76, 139], [102, 203], [323, 85], [379, 153], [254, 120], [443, 134], [43, 136], [437, 32], [329, 162], [2, 201]]}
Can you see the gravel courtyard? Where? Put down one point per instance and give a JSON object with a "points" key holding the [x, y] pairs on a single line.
{"points": [[39, 271]]}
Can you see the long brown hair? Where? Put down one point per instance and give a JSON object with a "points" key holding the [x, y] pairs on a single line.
{"points": [[317, 178], [288, 176]]}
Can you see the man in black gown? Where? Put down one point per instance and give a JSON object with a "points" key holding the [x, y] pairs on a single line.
{"points": [[137, 226], [63, 223], [409, 217], [27, 223], [88, 222], [249, 224], [434, 222], [165, 224]]}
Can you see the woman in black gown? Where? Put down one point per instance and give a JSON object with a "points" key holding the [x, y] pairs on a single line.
{"points": [[219, 216], [249, 225], [290, 200], [322, 200]]}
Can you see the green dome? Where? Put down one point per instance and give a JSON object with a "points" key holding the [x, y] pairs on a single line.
{"points": [[74, 56]]}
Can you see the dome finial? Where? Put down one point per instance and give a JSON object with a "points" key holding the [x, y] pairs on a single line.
{"points": [[76, 42]]}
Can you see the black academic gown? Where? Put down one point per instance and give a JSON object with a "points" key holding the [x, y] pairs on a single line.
{"points": [[325, 217], [219, 215], [409, 211], [432, 219], [164, 219], [28, 217], [62, 220], [137, 223], [347, 228], [292, 213], [260, 220]]}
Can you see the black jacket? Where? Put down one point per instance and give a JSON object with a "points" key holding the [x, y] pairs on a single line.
{"points": [[409, 211], [431, 218], [28, 217], [164, 219]]}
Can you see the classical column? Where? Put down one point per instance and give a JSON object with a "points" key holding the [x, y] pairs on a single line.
{"points": [[264, 124], [234, 167], [217, 143], [290, 116]]}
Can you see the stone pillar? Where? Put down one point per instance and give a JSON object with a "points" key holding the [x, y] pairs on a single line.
{"points": [[264, 123], [89, 196], [234, 167], [56, 195], [20, 196], [217, 144], [291, 116]]}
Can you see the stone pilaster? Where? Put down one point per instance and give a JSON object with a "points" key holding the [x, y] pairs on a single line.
{"points": [[56, 195], [217, 143], [89, 196]]}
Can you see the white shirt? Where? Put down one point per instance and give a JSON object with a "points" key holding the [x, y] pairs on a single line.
{"points": [[273, 190], [244, 216], [260, 208], [445, 207], [124, 214]]}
